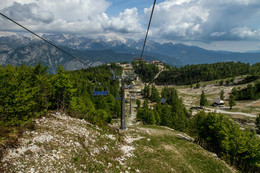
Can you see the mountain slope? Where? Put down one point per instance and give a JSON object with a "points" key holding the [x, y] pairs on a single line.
{"points": [[41, 52], [174, 54], [196, 55], [94, 51], [61, 143], [38, 52]]}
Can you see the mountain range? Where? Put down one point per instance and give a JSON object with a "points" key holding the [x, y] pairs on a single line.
{"points": [[15, 49]]}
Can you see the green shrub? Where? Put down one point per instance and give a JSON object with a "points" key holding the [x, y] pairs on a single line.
{"points": [[146, 115]]}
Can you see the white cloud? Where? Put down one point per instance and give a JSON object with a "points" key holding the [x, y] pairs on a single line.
{"points": [[71, 16], [204, 20], [246, 33], [173, 20], [75, 10], [217, 34], [126, 22], [7, 3], [28, 12], [178, 19]]}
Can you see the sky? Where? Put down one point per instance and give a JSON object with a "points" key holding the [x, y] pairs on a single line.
{"points": [[230, 25]]}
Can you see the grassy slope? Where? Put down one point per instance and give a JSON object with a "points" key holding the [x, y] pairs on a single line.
{"points": [[162, 150], [64, 144], [191, 97]]}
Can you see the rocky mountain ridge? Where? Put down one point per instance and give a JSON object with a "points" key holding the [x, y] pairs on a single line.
{"points": [[15, 49]]}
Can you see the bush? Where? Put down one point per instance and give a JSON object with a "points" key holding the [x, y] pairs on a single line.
{"points": [[138, 103], [146, 115], [223, 136]]}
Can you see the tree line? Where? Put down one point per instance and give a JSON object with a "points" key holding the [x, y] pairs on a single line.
{"points": [[191, 74], [30, 92], [251, 92]]}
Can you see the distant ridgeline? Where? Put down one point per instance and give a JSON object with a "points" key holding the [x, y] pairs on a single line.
{"points": [[191, 74], [29, 92]]}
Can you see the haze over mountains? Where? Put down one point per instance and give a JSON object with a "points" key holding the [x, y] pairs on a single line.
{"points": [[16, 49]]}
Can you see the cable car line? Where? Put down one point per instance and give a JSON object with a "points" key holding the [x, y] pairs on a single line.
{"points": [[75, 58], [148, 28], [69, 53]]}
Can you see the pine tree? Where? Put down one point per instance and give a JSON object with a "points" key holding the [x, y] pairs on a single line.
{"points": [[155, 96], [172, 96], [147, 116], [145, 104], [138, 103], [222, 95], [203, 99], [250, 92], [41, 82], [232, 101], [164, 93], [235, 92], [146, 91], [62, 89], [18, 103]]}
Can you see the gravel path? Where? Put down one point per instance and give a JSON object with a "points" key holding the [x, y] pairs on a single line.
{"points": [[231, 113]]}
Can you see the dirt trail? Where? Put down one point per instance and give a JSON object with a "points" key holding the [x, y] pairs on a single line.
{"points": [[231, 113], [131, 118], [156, 76]]}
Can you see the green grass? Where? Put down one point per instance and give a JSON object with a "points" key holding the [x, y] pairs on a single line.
{"points": [[245, 107], [164, 152]]}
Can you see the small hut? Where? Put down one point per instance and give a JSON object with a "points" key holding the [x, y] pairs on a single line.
{"points": [[218, 101]]}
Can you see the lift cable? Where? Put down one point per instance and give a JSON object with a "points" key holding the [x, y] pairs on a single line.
{"points": [[148, 28], [45, 40]]}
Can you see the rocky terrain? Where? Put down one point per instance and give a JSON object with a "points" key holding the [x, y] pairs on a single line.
{"points": [[61, 143]]}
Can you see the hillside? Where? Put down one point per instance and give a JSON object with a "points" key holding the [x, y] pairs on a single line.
{"points": [[16, 50], [49, 56], [61, 143], [174, 54], [196, 55]]}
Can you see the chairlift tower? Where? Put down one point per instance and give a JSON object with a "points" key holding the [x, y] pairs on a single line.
{"points": [[123, 80], [123, 124]]}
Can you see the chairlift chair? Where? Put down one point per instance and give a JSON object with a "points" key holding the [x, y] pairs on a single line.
{"points": [[100, 93]]}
